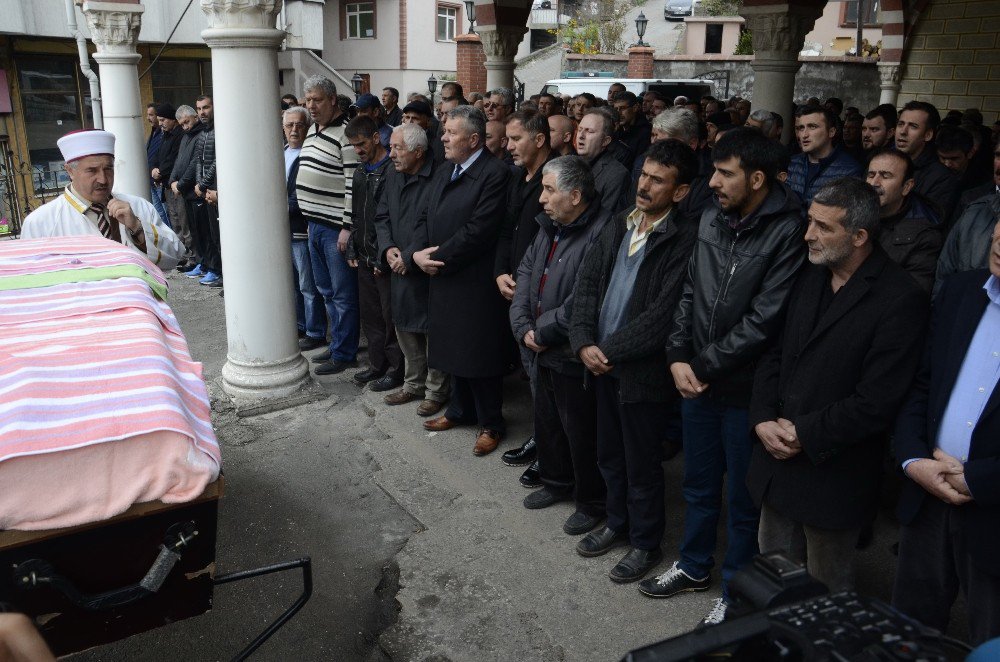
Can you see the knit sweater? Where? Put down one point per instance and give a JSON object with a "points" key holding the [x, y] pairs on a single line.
{"points": [[326, 173]]}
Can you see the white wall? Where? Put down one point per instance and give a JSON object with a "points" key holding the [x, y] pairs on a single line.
{"points": [[828, 27], [47, 18]]}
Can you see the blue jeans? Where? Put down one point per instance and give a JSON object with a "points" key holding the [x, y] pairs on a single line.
{"points": [[154, 195], [338, 283], [716, 443], [309, 311]]}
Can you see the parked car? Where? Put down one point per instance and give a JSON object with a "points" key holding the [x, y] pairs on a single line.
{"points": [[678, 9]]}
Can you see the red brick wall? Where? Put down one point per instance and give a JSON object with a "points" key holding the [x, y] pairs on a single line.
{"points": [[471, 66], [640, 62]]}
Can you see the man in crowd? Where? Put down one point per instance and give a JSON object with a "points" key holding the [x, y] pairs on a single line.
{"points": [[496, 140], [611, 178], [907, 232], [682, 124], [324, 190], [947, 441], [878, 128], [184, 200], [549, 104], [715, 124], [390, 102], [956, 150], [170, 143], [821, 160], [500, 104], [152, 150], [851, 138], [854, 320], [368, 105], [657, 104], [614, 90], [396, 222], [199, 179], [626, 293], [561, 132], [762, 120], [452, 91], [88, 208], [385, 369], [457, 249], [420, 113], [915, 129], [714, 345], [565, 416], [633, 128]]}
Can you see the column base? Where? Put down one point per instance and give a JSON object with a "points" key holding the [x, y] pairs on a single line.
{"points": [[257, 388]]}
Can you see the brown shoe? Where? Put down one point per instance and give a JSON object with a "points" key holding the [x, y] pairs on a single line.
{"points": [[439, 424], [400, 397], [429, 407], [486, 442]]}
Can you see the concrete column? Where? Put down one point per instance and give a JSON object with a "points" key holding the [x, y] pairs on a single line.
{"points": [[114, 29], [890, 74], [500, 45], [263, 363], [640, 62], [778, 34]]}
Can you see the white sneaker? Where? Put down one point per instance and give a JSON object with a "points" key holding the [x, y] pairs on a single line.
{"points": [[716, 615]]}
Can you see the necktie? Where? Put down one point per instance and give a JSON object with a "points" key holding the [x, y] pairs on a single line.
{"points": [[458, 171], [104, 224]]}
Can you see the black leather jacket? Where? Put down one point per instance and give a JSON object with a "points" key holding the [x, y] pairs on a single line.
{"points": [[736, 292]]}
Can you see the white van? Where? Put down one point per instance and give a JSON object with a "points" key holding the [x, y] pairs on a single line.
{"points": [[597, 85]]}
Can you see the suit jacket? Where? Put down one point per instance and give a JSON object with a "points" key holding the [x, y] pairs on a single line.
{"points": [[840, 376], [468, 329], [957, 310]]}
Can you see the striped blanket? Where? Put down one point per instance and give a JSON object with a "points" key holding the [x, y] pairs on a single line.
{"points": [[90, 352]]}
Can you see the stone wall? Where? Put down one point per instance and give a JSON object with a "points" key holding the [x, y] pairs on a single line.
{"points": [[855, 81], [952, 57]]}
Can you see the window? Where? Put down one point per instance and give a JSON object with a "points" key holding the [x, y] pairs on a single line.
{"points": [[55, 99], [181, 82], [359, 18], [849, 12], [447, 19]]}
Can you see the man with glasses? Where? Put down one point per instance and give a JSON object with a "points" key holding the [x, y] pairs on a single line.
{"points": [[452, 91], [500, 104]]}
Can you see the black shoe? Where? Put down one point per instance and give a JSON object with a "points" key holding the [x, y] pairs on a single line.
{"points": [[600, 542], [579, 523], [322, 357], [521, 456], [671, 449], [216, 284], [544, 498], [672, 582], [189, 266], [366, 375], [307, 343], [634, 565], [385, 383], [333, 367], [530, 478]]}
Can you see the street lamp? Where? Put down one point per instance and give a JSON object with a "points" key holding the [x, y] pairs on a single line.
{"points": [[432, 85], [640, 27], [470, 11], [358, 83]]}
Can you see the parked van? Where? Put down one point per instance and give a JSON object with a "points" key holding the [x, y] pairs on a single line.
{"points": [[598, 85]]}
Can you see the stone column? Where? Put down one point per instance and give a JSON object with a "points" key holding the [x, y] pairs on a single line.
{"points": [[500, 45], [778, 34], [640, 62], [890, 75], [263, 364], [114, 29]]}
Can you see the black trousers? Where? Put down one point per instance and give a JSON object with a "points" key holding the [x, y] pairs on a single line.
{"points": [[566, 434], [477, 400], [214, 255], [630, 456], [934, 565], [197, 228], [374, 300]]}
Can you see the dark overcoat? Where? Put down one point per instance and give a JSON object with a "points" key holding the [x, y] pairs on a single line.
{"points": [[840, 377], [399, 213], [467, 316]]}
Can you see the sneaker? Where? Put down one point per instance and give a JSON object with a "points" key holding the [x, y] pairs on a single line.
{"points": [[716, 615], [672, 582], [196, 272], [209, 278]]}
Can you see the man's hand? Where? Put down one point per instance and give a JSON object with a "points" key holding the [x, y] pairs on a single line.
{"points": [[423, 260], [685, 381], [173, 187], [342, 239], [933, 476], [198, 191], [395, 260], [789, 427], [956, 480], [121, 211], [20, 641], [212, 197], [594, 359], [777, 440], [529, 342], [155, 172], [353, 264], [506, 286]]}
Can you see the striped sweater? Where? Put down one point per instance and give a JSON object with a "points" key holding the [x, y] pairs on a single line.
{"points": [[326, 172]]}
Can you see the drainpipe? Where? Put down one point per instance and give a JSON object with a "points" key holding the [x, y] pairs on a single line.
{"points": [[81, 46]]}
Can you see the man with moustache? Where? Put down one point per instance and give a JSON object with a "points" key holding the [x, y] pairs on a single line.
{"points": [[182, 201], [612, 179], [878, 129]]}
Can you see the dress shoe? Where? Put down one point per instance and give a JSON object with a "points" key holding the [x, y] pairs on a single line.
{"points": [[400, 397], [530, 477], [385, 383], [579, 523], [333, 367], [366, 375], [521, 456], [439, 424], [600, 542], [544, 498], [307, 343], [634, 565], [486, 442], [429, 407], [322, 357]]}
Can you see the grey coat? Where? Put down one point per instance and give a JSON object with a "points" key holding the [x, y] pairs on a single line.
{"points": [[968, 243]]}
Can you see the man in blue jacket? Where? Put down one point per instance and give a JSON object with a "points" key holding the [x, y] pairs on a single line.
{"points": [[821, 161]]}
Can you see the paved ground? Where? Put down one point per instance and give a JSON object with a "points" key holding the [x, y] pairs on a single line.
{"points": [[364, 490]]}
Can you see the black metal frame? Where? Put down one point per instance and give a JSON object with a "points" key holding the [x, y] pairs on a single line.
{"points": [[717, 76]]}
